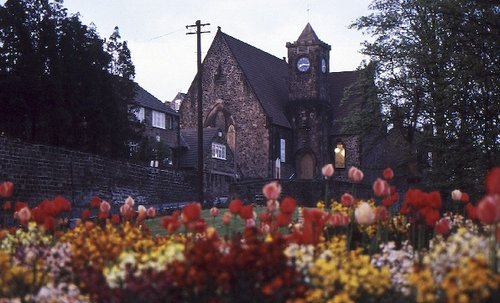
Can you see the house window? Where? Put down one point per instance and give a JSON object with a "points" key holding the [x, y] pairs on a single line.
{"points": [[218, 151], [158, 119], [170, 122], [282, 150], [277, 169], [339, 155], [139, 113]]}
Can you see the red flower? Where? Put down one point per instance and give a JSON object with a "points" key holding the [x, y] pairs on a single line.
{"points": [[171, 223], [49, 208], [246, 212], [265, 217], [434, 199], [388, 173], [431, 216], [283, 219], [214, 211], [416, 198], [115, 219], [85, 214], [288, 205], [6, 189], [151, 212], [95, 202], [442, 227], [471, 211], [405, 208], [102, 215], [493, 181], [312, 230], [62, 204], [347, 200], [488, 209], [381, 213], [38, 215], [389, 201], [338, 219], [49, 223], [381, 188], [272, 190], [191, 212], [7, 205], [20, 205], [465, 198], [235, 206]]}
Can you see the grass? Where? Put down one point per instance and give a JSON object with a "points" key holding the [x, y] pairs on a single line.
{"points": [[237, 223]]}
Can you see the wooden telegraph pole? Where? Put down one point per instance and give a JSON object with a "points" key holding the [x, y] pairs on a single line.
{"points": [[198, 33]]}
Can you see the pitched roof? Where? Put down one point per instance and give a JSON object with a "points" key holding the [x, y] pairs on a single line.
{"points": [[308, 35], [145, 99], [267, 76], [190, 137]]}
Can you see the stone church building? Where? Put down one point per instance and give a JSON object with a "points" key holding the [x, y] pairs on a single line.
{"points": [[281, 118]]}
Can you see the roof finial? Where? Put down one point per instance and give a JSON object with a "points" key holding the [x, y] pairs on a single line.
{"points": [[308, 9]]}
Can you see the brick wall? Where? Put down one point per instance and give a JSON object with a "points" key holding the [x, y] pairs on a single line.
{"points": [[42, 172]]}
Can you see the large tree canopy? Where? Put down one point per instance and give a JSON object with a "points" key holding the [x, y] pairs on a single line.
{"points": [[60, 83], [437, 66]]}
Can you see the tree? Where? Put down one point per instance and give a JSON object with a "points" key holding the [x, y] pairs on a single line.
{"points": [[437, 71], [57, 81]]}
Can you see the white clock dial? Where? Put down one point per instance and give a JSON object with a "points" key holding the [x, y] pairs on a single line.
{"points": [[303, 64]]}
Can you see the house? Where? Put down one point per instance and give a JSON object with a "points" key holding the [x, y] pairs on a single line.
{"points": [[282, 118], [161, 143]]}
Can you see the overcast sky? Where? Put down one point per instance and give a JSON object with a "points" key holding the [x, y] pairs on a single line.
{"points": [[165, 57]]}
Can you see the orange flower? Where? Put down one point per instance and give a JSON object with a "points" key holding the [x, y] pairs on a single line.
{"points": [[191, 212], [6, 189], [288, 205], [388, 173], [235, 206], [226, 219], [272, 190]]}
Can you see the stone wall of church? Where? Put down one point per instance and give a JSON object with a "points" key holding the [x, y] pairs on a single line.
{"points": [[352, 155], [225, 84]]}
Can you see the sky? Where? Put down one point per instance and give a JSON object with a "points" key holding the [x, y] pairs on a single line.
{"points": [[165, 57]]}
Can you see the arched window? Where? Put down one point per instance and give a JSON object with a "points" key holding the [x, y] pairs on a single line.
{"points": [[231, 137], [339, 155]]}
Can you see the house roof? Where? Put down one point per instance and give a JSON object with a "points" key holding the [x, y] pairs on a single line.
{"points": [[267, 75], [190, 137], [338, 83], [145, 99]]}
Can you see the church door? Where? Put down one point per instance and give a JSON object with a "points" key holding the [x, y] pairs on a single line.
{"points": [[305, 167]]}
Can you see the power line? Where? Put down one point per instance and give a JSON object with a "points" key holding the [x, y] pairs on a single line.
{"points": [[167, 34]]}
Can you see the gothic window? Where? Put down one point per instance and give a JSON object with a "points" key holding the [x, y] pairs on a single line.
{"points": [[219, 76], [339, 155], [282, 150]]}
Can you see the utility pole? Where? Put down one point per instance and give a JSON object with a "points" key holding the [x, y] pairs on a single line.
{"points": [[198, 33]]}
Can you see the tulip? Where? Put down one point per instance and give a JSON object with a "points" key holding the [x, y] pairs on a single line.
{"points": [[288, 205], [355, 174], [456, 195], [272, 190], [388, 173], [493, 181], [6, 189], [24, 215], [347, 200], [104, 207], [381, 213], [235, 206], [151, 212], [129, 201], [226, 219], [246, 212], [442, 227], [364, 214], [381, 188], [327, 170], [115, 219], [488, 209], [214, 211]]}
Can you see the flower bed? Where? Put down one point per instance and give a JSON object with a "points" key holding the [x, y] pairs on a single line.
{"points": [[341, 251]]}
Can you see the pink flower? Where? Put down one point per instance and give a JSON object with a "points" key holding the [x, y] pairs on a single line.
{"points": [[347, 200], [214, 211], [272, 190], [488, 209], [364, 214], [355, 174], [381, 188], [104, 207], [327, 170], [442, 227], [456, 195], [129, 201], [151, 212], [338, 219], [141, 210], [388, 173], [249, 223], [24, 215]]}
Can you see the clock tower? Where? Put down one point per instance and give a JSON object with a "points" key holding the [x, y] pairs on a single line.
{"points": [[308, 60], [308, 105]]}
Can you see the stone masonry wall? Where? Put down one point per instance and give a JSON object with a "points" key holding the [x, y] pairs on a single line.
{"points": [[42, 172]]}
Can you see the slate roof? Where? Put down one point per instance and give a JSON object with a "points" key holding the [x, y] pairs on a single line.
{"points": [[338, 83], [267, 76], [145, 99], [308, 35], [190, 137]]}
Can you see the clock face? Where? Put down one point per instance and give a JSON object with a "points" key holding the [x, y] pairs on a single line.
{"points": [[303, 64], [323, 65]]}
